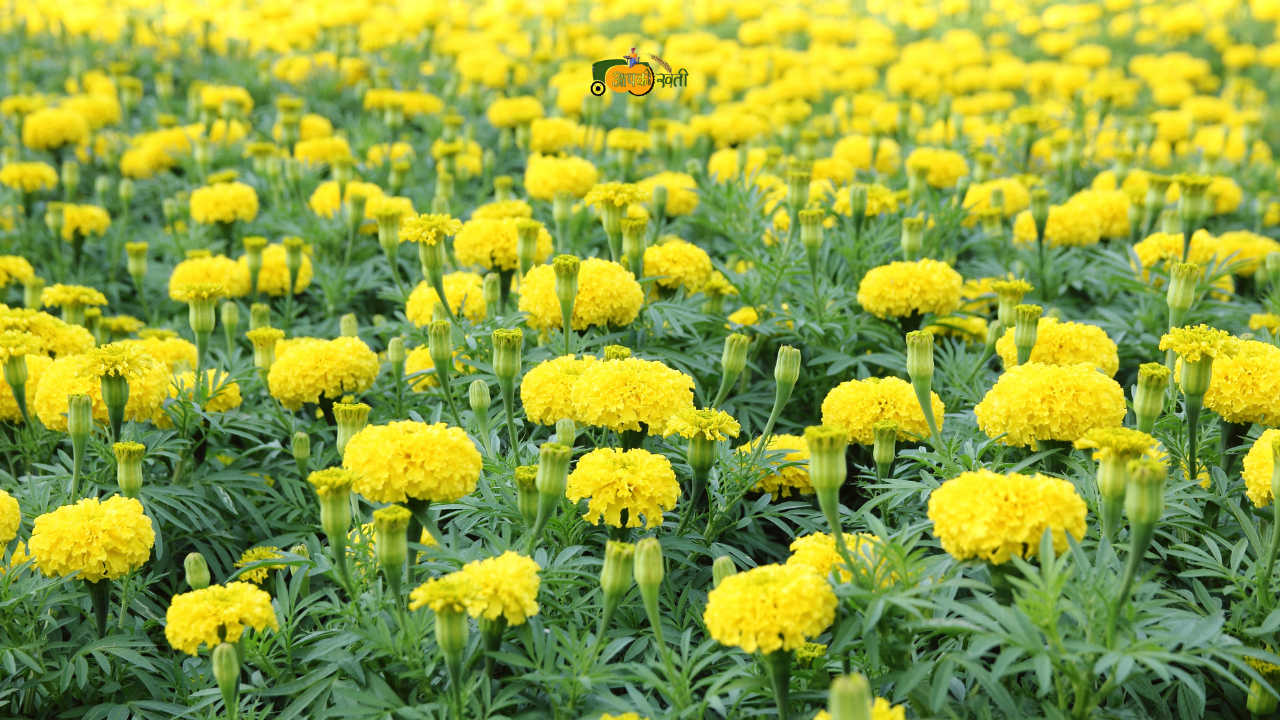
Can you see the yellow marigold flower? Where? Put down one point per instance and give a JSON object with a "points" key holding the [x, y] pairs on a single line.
{"points": [[406, 459], [258, 575], [510, 112], [1195, 343], [1163, 248], [745, 315], [1065, 343], [455, 592], [880, 710], [943, 167], [14, 267], [54, 128], [546, 175], [682, 191], [787, 476], [322, 150], [92, 540], [1033, 402], [58, 337], [83, 221], [491, 244], [465, 291], [500, 209], [818, 551], [623, 394], [770, 608], [126, 360], [73, 375], [856, 405], [1072, 224], [856, 149], [978, 198], [677, 263], [710, 424], [628, 139], [429, 228], [214, 97], [616, 194], [29, 177], [554, 135], [419, 359], [273, 278], [218, 269], [970, 328], [62, 295], [331, 368], [504, 586], [18, 343], [608, 295], [1268, 321], [198, 292], [216, 614], [1258, 466], [985, 515], [1245, 251], [546, 390], [223, 392], [1245, 386], [224, 203], [1116, 442], [169, 350], [636, 482], [903, 288], [326, 203], [400, 151], [10, 518], [122, 324]]}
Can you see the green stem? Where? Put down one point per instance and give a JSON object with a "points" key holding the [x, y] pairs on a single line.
{"points": [[1193, 404], [508, 388], [778, 666], [726, 383], [100, 597], [1139, 538], [1263, 590]]}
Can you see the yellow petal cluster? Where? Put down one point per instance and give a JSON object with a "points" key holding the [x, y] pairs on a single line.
{"points": [[92, 540], [708, 424], [73, 375], [273, 277], [331, 368], [1259, 463], [259, 575], [856, 405], [786, 477], [901, 288], [677, 263], [224, 203], [613, 481], [1065, 343], [770, 608], [608, 295], [504, 586], [992, 517], [491, 244], [626, 394], [548, 174], [407, 459], [546, 391], [1193, 344], [1033, 402], [217, 269], [28, 177], [10, 518], [465, 291], [216, 614]]}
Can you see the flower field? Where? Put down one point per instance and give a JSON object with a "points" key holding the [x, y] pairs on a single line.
{"points": [[589, 360]]}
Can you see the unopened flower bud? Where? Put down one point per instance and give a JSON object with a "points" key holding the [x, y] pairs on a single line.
{"points": [[885, 448], [850, 698], [616, 352], [259, 316], [616, 573], [1182, 291], [912, 237], [827, 469], [129, 467], [566, 269], [811, 228], [492, 291], [392, 545], [136, 262], [1273, 271], [1144, 499], [553, 475], [33, 287], [1026, 326], [226, 670], [920, 354], [525, 479], [1040, 210], [70, 178], [1260, 702], [126, 190], [787, 370], [566, 431], [349, 326], [351, 418], [478, 395], [506, 354], [858, 204], [722, 568], [301, 448], [197, 571], [527, 232], [1148, 398]]}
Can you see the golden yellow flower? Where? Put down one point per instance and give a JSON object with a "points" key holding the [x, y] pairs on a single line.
{"points": [[92, 540], [331, 368], [1258, 466], [224, 203], [709, 424], [465, 291], [546, 390], [770, 608], [900, 289], [626, 394], [856, 405], [546, 175], [677, 263], [1065, 343], [1195, 343], [259, 575], [942, 167], [608, 295], [636, 482], [29, 177], [216, 614], [504, 586], [407, 459], [54, 128], [1033, 402], [10, 518]]}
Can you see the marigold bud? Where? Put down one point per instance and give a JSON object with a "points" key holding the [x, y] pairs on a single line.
{"points": [[33, 286], [722, 568], [616, 572], [301, 448], [197, 571], [616, 352], [259, 316], [885, 447], [226, 670], [492, 291], [850, 698], [349, 326], [136, 261], [811, 228], [507, 344], [1182, 290], [1148, 398], [858, 204], [1273, 270], [440, 345], [478, 394], [566, 431], [527, 232], [351, 418], [566, 268], [1040, 210], [912, 237], [1144, 498], [920, 354], [392, 545], [129, 467], [396, 353], [1026, 326], [787, 370]]}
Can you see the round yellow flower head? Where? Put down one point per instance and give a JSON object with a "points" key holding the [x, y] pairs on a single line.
{"points": [[709, 424], [217, 614], [29, 177], [455, 593], [1245, 385], [166, 347], [63, 295], [219, 270], [1120, 443], [505, 586], [75, 375], [546, 390], [1073, 224], [1193, 344], [19, 343], [465, 291], [628, 139], [322, 150], [500, 209], [616, 194], [818, 551], [331, 368], [900, 289], [1065, 343], [770, 608], [407, 459], [428, 228], [942, 168], [122, 359], [199, 292], [608, 295], [259, 575], [510, 112], [677, 263], [224, 203], [273, 278], [92, 540], [83, 221], [792, 471], [223, 393], [978, 198], [493, 244], [682, 192], [992, 517], [547, 175], [855, 406], [1033, 402], [653, 392], [59, 338], [881, 709], [332, 482], [1267, 321], [636, 482], [1258, 466], [54, 128], [10, 518]]}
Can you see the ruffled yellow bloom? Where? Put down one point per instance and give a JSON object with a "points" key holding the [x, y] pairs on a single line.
{"points": [[1245, 386], [504, 586], [1195, 343], [224, 203], [36, 367], [1267, 321], [419, 359], [818, 551], [900, 289], [92, 540], [546, 390], [492, 244], [273, 278], [786, 477], [616, 194], [54, 128], [126, 360], [499, 209], [167, 348], [428, 228], [628, 139], [1072, 224], [682, 191], [322, 150], [29, 177], [57, 337], [985, 515], [546, 175], [942, 167], [331, 368], [1245, 251], [770, 608], [636, 482], [709, 424], [63, 295], [223, 393], [10, 518], [677, 263], [326, 203], [83, 220], [978, 198], [216, 614], [73, 375], [1258, 466], [1033, 402], [407, 459], [856, 405], [465, 291], [608, 295], [510, 112], [1065, 343], [14, 267], [455, 592], [626, 394], [549, 136], [259, 575], [217, 269]]}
